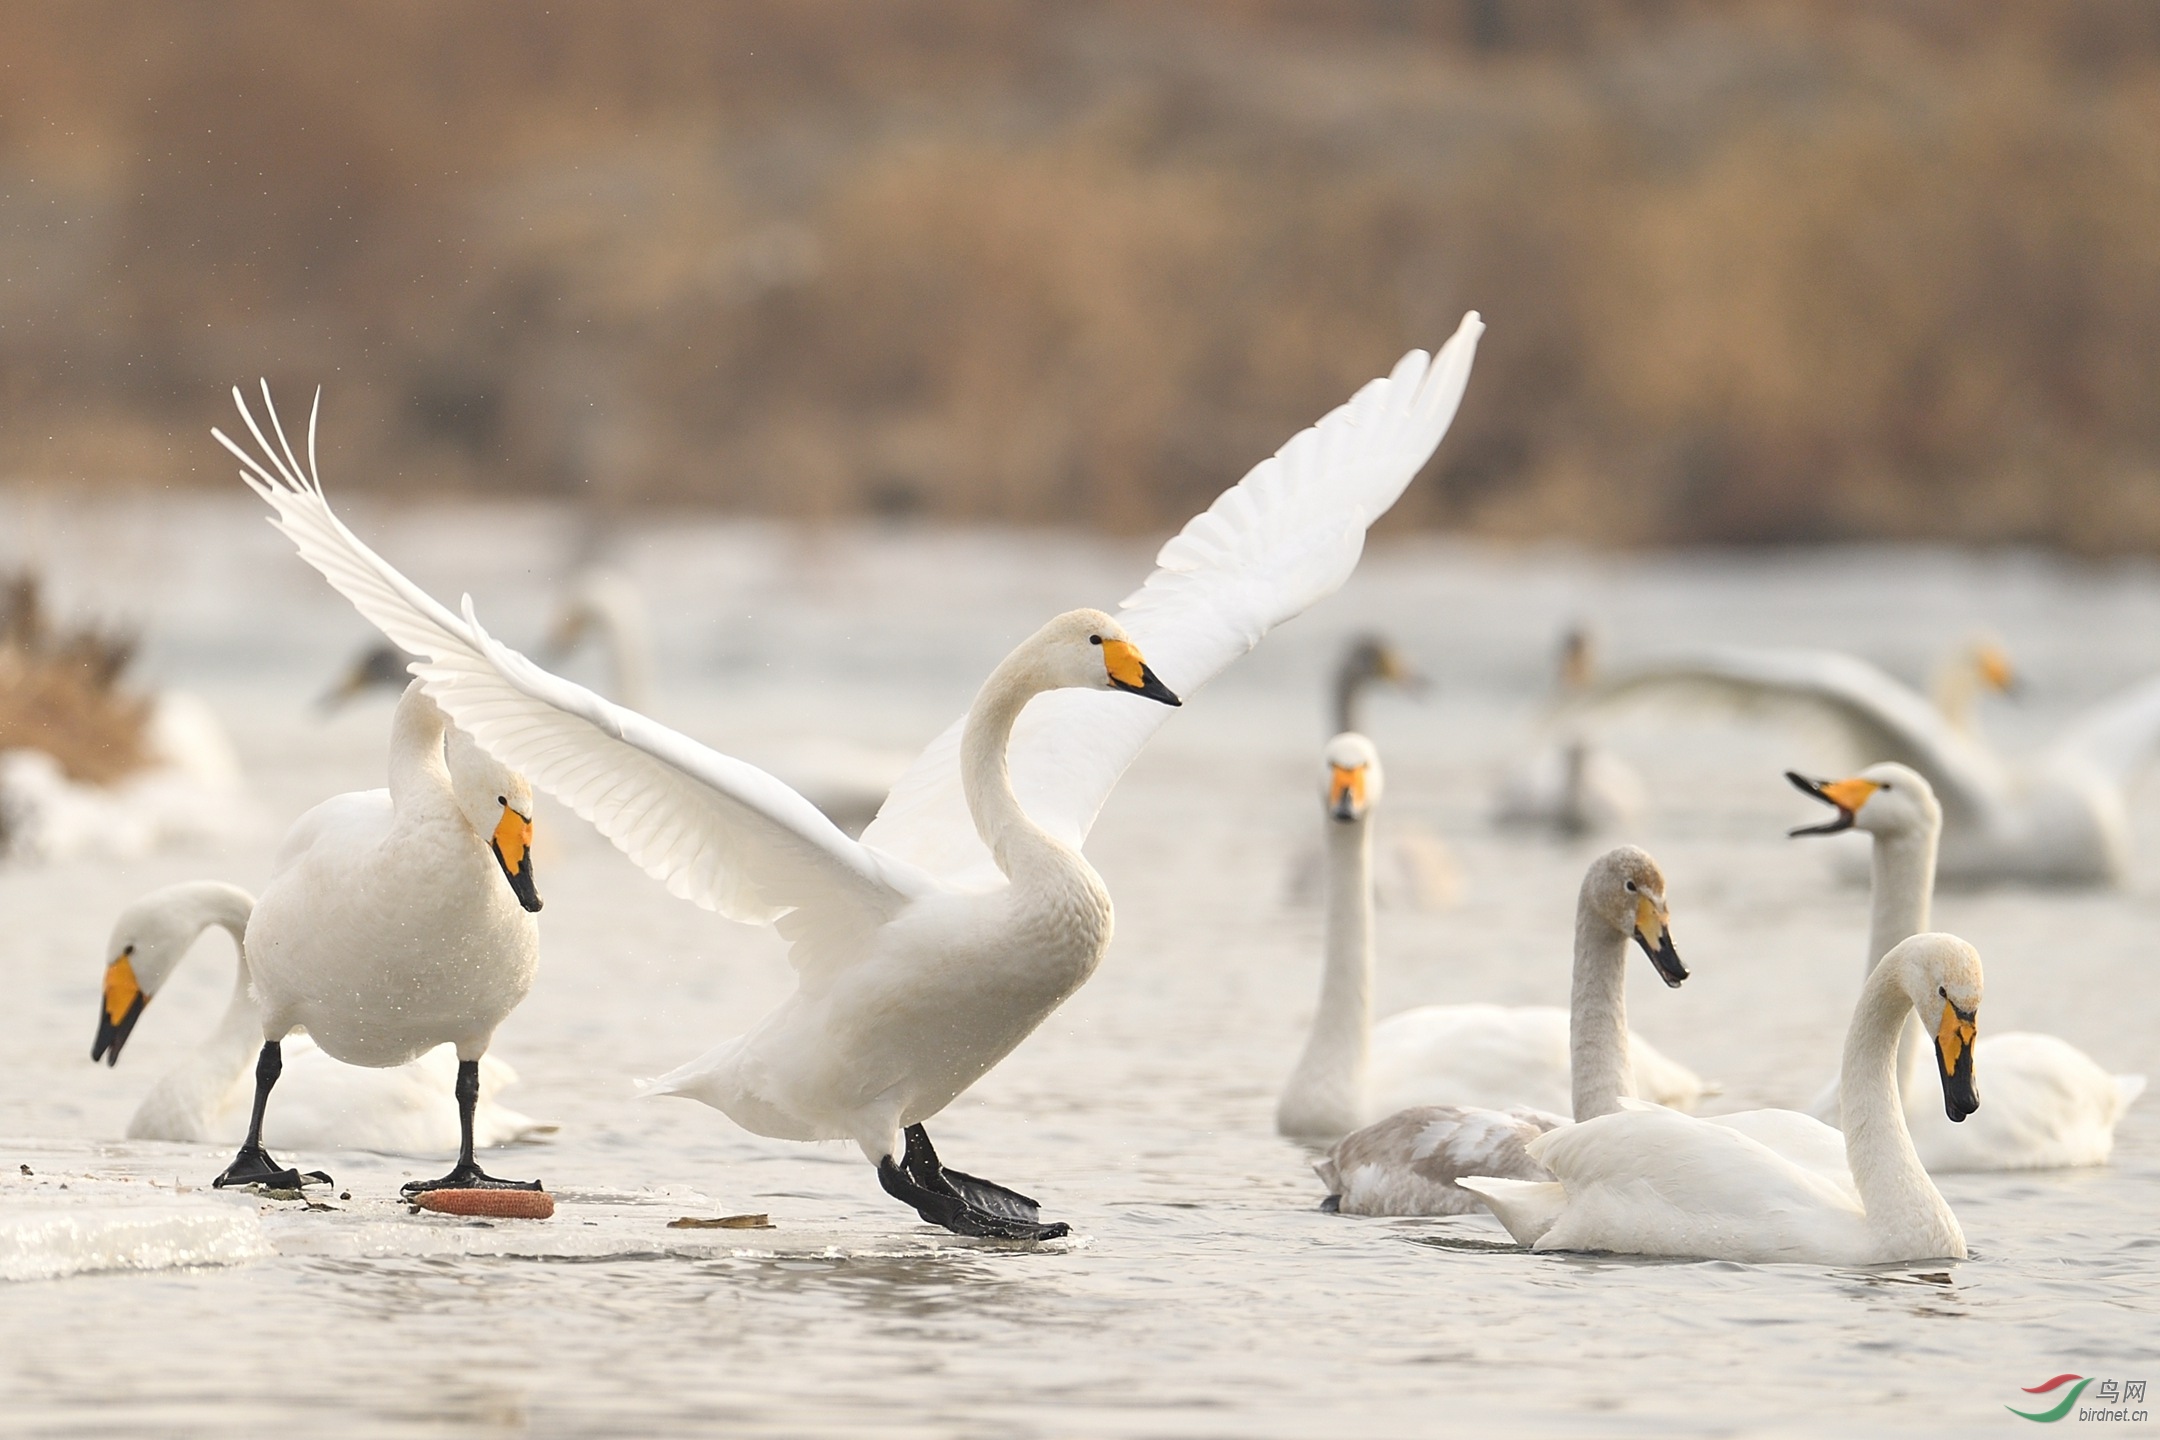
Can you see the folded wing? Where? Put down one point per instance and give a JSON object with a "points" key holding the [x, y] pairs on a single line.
{"points": [[1287, 535]]}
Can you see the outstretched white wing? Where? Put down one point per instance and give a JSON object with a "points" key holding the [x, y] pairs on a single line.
{"points": [[1886, 720], [715, 830], [1285, 536]]}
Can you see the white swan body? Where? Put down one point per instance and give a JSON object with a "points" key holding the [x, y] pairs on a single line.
{"points": [[2048, 1104], [322, 1104], [2055, 818], [1492, 1057], [931, 946], [387, 927], [1409, 1163], [1656, 1182]]}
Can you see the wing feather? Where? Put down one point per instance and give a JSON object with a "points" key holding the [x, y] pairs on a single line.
{"points": [[713, 829], [1887, 720], [1284, 537]]}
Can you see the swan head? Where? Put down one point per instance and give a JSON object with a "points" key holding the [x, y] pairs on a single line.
{"points": [[1353, 780], [1941, 977], [147, 943], [1992, 667], [1626, 889], [1888, 799], [498, 804], [599, 600], [1087, 650], [1371, 658]]}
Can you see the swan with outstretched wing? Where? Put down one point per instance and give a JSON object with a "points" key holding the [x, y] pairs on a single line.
{"points": [[2053, 818], [931, 947]]}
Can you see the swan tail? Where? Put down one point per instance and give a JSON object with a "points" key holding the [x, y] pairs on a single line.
{"points": [[2127, 1090], [1331, 1177], [1528, 1208]]}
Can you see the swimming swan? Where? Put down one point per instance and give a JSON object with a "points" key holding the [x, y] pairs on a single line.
{"points": [[1408, 1163], [2057, 817], [2048, 1104], [1656, 1182], [1412, 868], [930, 948], [1354, 1072], [404, 1110]]}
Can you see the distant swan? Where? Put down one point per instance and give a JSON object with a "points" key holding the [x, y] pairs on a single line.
{"points": [[1656, 1182], [931, 948], [1573, 786], [2056, 818], [1408, 1163], [2048, 1104], [403, 1110], [1353, 1072], [1412, 868]]}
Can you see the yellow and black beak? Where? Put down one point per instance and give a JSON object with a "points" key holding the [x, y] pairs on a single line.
{"points": [[124, 1002], [513, 850], [1128, 672], [1847, 795], [1954, 1037], [1655, 937], [1997, 673], [1346, 792]]}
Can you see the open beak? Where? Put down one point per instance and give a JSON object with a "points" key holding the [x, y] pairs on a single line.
{"points": [[1846, 795], [1128, 672], [124, 1002], [1346, 792], [1655, 937], [1954, 1058], [513, 850]]}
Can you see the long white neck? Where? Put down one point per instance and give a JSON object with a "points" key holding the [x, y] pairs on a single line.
{"points": [[1956, 691], [1026, 852], [1901, 1202], [1598, 1063], [1327, 1092], [419, 776], [1901, 896], [183, 1103]]}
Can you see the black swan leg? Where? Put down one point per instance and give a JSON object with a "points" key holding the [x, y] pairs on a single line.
{"points": [[253, 1164], [961, 1203], [467, 1174]]}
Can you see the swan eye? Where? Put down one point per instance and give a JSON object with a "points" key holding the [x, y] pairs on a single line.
{"points": [[1631, 887], [502, 799], [1942, 991], [1886, 784], [129, 951], [1094, 639]]}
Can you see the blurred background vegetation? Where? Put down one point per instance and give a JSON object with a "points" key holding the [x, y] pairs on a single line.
{"points": [[1754, 271]]}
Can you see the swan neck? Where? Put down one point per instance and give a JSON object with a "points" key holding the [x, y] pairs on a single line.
{"points": [[1327, 1091], [1894, 1186], [1597, 1016], [419, 775], [187, 1097], [1901, 896], [1015, 841], [1350, 684]]}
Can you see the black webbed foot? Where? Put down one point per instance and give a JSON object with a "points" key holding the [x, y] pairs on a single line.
{"points": [[961, 1203], [253, 1166], [466, 1176]]}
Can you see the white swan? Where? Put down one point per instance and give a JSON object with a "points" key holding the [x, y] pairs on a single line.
{"points": [[403, 1110], [1656, 1182], [395, 921], [2048, 1104], [965, 915], [1977, 667], [1412, 868], [1353, 1072], [1573, 786], [2057, 817], [1408, 1163]]}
